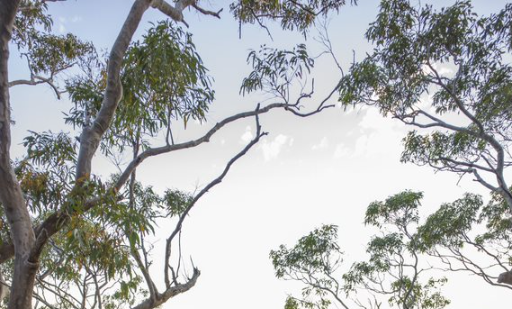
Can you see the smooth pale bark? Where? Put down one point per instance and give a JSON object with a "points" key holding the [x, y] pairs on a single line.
{"points": [[11, 197], [151, 303], [27, 240], [26, 248], [91, 136]]}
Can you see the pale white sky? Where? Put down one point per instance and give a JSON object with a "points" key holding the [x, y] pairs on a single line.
{"points": [[321, 170]]}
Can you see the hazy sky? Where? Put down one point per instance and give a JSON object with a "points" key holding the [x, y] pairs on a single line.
{"points": [[324, 169]]}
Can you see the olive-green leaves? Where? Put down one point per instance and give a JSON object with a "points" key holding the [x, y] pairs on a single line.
{"points": [[313, 261], [400, 209], [51, 53], [163, 80], [313, 253], [293, 15], [165, 75], [451, 223], [430, 66], [395, 271], [274, 70], [45, 52]]}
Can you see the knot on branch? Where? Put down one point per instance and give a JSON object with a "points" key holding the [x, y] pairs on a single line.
{"points": [[164, 7], [505, 278]]}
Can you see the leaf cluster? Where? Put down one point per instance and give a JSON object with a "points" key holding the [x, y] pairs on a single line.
{"points": [[163, 80], [274, 70], [45, 52], [458, 61], [293, 14]]}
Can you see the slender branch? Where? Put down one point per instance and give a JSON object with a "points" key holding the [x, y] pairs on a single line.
{"points": [[204, 139], [170, 292], [208, 187], [175, 12], [207, 12]]}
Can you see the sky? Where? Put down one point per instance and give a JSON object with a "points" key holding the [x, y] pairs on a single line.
{"points": [[324, 169]]}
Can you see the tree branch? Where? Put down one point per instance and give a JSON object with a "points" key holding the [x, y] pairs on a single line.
{"points": [[208, 187], [170, 292], [91, 136], [37, 80]]}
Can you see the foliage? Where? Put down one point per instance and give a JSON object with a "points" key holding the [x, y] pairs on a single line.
{"points": [[275, 70], [468, 235], [455, 61], [395, 266], [163, 80], [311, 261], [394, 271], [93, 250], [293, 15], [45, 52], [87, 237]]}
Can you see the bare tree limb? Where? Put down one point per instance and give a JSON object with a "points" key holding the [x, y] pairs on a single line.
{"points": [[208, 187]]}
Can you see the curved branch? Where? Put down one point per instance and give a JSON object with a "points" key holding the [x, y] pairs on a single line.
{"points": [[170, 292], [208, 187], [37, 80], [204, 139], [91, 136]]}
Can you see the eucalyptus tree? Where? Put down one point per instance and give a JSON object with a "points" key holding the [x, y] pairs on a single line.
{"points": [[66, 229], [406, 259], [447, 74], [396, 268], [395, 273], [470, 236], [313, 261], [428, 66]]}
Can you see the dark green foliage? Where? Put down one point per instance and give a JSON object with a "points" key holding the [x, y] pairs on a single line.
{"points": [[396, 265], [274, 70], [471, 236], [313, 261], [400, 210], [95, 230], [450, 224], [312, 254], [176, 202], [165, 72], [456, 62], [395, 271], [293, 15], [163, 80]]}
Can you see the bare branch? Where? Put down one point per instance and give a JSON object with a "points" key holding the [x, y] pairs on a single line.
{"points": [[170, 292], [204, 139], [207, 12], [208, 187], [175, 12]]}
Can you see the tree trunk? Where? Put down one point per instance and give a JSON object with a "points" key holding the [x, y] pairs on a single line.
{"points": [[11, 197]]}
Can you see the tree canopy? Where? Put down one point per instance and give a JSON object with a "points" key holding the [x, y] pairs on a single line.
{"points": [[446, 73], [73, 238], [428, 65]]}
